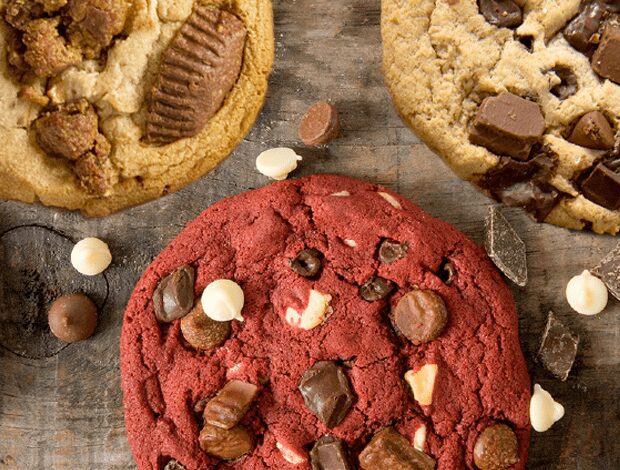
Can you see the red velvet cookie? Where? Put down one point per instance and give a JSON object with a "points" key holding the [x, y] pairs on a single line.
{"points": [[406, 293]]}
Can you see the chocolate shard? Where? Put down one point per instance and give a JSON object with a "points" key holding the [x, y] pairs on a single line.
{"points": [[505, 247], [602, 187], [558, 348], [326, 392], [389, 449], [606, 59], [230, 405], [199, 68], [608, 270], [330, 453], [501, 13], [593, 131], [174, 296], [507, 124]]}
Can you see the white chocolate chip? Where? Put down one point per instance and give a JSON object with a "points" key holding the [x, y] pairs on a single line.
{"points": [[341, 194], [277, 163], [349, 242], [223, 300], [313, 315], [391, 199], [422, 383], [586, 294], [544, 410], [419, 438], [91, 256], [292, 456]]}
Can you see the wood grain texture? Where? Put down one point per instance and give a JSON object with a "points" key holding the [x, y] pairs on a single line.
{"points": [[64, 411]]}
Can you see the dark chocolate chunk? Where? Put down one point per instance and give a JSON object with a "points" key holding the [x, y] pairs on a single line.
{"points": [[593, 131], [320, 125], [538, 200], [330, 453], [580, 32], [505, 248], [496, 448], [230, 405], [326, 392], [376, 288], [225, 444], [391, 251], [558, 348], [608, 270], [198, 69], [307, 263], [174, 296], [174, 465], [72, 317], [507, 124], [568, 82], [602, 187], [389, 449], [606, 59], [501, 13], [446, 271], [201, 332], [421, 316]]}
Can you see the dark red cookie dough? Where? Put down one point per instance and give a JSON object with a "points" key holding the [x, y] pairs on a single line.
{"points": [[251, 238]]}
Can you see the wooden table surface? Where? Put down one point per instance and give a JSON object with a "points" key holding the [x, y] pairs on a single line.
{"points": [[60, 406]]}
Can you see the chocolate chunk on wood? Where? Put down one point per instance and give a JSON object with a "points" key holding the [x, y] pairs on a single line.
{"points": [[174, 296], [496, 448], [421, 316], [226, 444], [507, 124], [606, 59], [330, 453], [326, 392], [608, 270], [320, 125], [389, 449], [199, 68], [505, 247], [230, 404], [593, 131], [602, 187], [501, 13], [558, 348]]}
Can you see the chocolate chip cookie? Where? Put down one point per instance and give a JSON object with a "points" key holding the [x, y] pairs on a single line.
{"points": [[520, 98], [397, 351], [106, 104]]}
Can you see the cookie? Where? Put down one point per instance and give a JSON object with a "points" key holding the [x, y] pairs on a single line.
{"points": [[522, 102], [107, 104], [320, 365]]}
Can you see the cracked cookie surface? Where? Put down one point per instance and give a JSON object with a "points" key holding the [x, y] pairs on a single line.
{"points": [[442, 58], [252, 238]]}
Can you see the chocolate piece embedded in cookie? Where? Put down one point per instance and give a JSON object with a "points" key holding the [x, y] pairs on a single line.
{"points": [[505, 247], [225, 444], [307, 263], [582, 30], [72, 318], [174, 465], [608, 270], [421, 316], [326, 392], [496, 448], [606, 59], [389, 449], [320, 125], [201, 332], [174, 296], [602, 186], [390, 251], [507, 124], [558, 348], [230, 404], [376, 288], [501, 13], [593, 131], [330, 453], [198, 70]]}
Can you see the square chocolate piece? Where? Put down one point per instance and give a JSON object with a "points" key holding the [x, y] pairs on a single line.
{"points": [[606, 59], [602, 187], [608, 270], [558, 348]]}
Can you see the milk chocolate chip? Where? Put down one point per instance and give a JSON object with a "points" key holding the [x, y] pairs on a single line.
{"points": [[174, 296], [507, 125], [230, 405], [421, 316], [581, 32], [201, 332], [593, 131], [307, 263], [225, 444], [389, 449], [602, 187], [606, 59], [376, 288], [391, 251], [72, 318], [496, 448], [326, 392], [330, 453], [501, 13], [320, 125]]}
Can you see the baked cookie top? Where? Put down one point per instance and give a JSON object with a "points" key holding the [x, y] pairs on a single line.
{"points": [[372, 334], [520, 97], [110, 103]]}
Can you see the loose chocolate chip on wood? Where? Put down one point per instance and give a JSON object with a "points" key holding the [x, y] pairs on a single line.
{"points": [[230, 405], [606, 59], [391, 251], [307, 263], [568, 82], [376, 288], [507, 124], [602, 187], [389, 449], [174, 296], [593, 131], [496, 448], [320, 125], [330, 453], [201, 332], [501, 13], [558, 348], [421, 316], [326, 392], [505, 247], [72, 318], [225, 444]]}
